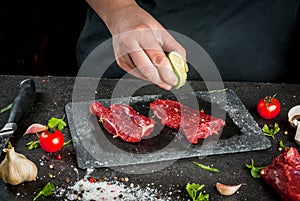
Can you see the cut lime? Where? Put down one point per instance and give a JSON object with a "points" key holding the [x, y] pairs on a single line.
{"points": [[179, 68]]}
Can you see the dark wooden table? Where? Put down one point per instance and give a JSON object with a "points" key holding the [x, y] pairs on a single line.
{"points": [[53, 93]]}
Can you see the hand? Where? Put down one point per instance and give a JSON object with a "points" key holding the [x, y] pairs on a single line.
{"points": [[140, 43]]}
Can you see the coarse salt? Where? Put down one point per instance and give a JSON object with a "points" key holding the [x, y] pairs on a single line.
{"points": [[111, 190], [104, 189]]}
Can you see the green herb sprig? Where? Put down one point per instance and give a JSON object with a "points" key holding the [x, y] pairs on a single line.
{"points": [[6, 108], [57, 123], [282, 147], [255, 171], [204, 167], [271, 132], [217, 90], [195, 192], [33, 144], [46, 191]]}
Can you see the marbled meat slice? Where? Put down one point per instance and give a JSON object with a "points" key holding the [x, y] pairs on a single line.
{"points": [[283, 175], [123, 121], [193, 124]]}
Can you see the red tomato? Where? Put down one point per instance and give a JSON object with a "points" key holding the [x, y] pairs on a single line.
{"points": [[51, 142], [268, 107]]}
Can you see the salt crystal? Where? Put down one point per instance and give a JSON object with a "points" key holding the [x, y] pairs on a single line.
{"points": [[109, 190]]}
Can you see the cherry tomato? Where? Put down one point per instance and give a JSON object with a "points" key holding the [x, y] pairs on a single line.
{"points": [[268, 107], [51, 142]]}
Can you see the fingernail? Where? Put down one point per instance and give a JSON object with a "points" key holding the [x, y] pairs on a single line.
{"points": [[167, 87]]}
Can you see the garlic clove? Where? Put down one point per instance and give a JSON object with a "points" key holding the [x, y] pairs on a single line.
{"points": [[16, 168], [35, 128], [227, 189]]}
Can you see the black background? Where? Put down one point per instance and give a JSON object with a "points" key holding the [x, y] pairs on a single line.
{"points": [[39, 37]]}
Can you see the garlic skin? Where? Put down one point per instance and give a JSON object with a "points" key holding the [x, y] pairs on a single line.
{"points": [[16, 168], [35, 128]]}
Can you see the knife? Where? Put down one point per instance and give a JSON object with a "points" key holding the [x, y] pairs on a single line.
{"points": [[21, 107]]}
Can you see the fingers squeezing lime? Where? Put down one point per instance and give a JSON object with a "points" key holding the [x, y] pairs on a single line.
{"points": [[179, 68]]}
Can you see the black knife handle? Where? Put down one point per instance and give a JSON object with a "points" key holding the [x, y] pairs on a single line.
{"points": [[23, 103]]}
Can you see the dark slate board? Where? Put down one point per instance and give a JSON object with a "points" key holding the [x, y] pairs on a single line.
{"points": [[96, 148]]}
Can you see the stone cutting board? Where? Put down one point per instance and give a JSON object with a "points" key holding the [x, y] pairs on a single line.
{"points": [[96, 148]]}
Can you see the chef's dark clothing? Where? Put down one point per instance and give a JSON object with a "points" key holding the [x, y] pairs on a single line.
{"points": [[248, 40]]}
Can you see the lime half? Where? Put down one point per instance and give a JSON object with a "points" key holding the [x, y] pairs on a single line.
{"points": [[179, 68]]}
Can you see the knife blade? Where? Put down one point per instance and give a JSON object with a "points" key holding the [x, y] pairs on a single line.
{"points": [[21, 107]]}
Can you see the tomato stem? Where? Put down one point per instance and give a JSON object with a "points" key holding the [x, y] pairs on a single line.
{"points": [[268, 99], [51, 130]]}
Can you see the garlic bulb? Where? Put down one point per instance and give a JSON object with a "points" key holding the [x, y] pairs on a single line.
{"points": [[16, 168]]}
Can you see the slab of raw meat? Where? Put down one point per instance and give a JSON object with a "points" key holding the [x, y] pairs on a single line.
{"points": [[283, 175], [193, 124], [123, 121]]}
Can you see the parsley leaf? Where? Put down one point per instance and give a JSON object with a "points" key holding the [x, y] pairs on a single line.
{"points": [[271, 132], [46, 191], [206, 167], [194, 190], [56, 122], [255, 171]]}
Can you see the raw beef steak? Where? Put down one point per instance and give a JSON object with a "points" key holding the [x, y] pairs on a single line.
{"points": [[283, 175], [123, 121], [193, 124]]}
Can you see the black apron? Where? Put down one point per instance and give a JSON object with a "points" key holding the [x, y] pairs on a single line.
{"points": [[248, 40]]}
